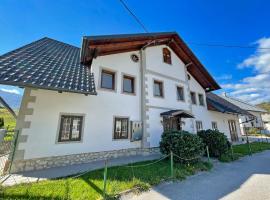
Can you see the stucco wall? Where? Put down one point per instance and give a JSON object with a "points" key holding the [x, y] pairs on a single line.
{"points": [[99, 113], [222, 122]]}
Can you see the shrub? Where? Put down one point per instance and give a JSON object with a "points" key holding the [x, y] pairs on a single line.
{"points": [[2, 122], [183, 144], [216, 141]]}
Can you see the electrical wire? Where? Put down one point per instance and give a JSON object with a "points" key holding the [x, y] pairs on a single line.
{"points": [[134, 16]]}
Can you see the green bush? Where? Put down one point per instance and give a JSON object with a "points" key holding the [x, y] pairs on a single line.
{"points": [[2, 122], [183, 144], [216, 141]]}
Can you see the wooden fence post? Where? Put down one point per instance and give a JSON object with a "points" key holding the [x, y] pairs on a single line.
{"points": [[172, 175], [105, 178], [208, 156]]}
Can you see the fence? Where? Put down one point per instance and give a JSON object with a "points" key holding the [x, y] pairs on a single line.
{"points": [[7, 146]]}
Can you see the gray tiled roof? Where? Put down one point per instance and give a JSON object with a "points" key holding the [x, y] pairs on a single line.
{"points": [[221, 105], [47, 64]]}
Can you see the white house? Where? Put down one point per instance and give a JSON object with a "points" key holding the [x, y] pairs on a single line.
{"points": [[113, 97], [247, 122], [266, 122]]}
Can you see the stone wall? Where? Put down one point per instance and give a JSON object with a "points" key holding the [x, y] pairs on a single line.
{"points": [[57, 161]]}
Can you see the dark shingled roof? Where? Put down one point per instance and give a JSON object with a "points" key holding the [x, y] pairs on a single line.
{"points": [[216, 103], [47, 64], [181, 113]]}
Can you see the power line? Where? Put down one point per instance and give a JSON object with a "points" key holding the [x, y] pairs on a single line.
{"points": [[192, 43], [134, 16], [227, 46]]}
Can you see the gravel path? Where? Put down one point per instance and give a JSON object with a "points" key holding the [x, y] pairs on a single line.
{"points": [[248, 178]]}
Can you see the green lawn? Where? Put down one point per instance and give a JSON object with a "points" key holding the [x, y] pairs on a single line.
{"points": [[90, 185], [8, 118], [243, 150]]}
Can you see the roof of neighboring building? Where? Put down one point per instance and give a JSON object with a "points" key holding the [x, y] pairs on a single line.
{"points": [[216, 103], [94, 46], [47, 64], [4, 104], [242, 104]]}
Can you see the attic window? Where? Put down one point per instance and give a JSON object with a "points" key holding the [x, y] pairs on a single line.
{"points": [[167, 56]]}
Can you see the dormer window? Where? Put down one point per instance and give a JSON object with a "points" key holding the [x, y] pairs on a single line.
{"points": [[167, 56]]}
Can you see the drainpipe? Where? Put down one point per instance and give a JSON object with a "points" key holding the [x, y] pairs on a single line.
{"points": [[189, 99], [143, 96]]}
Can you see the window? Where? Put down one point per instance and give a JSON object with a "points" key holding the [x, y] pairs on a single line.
{"points": [[108, 80], [158, 88], [180, 93], [199, 126], [201, 99], [167, 56], [128, 84], [70, 128], [193, 97], [120, 128], [214, 126]]}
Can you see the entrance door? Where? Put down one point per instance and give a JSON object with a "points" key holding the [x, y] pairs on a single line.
{"points": [[233, 130]]}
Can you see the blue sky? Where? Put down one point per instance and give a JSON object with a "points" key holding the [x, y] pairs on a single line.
{"points": [[243, 22]]}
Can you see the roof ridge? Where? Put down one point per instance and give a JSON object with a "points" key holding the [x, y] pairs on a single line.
{"points": [[128, 35], [36, 41], [241, 101]]}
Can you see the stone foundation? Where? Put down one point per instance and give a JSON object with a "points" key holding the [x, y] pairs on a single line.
{"points": [[57, 161]]}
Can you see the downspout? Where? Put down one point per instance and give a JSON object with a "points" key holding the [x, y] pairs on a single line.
{"points": [[189, 99], [143, 110], [143, 96]]}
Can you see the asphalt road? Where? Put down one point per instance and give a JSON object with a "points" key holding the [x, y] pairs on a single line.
{"points": [[247, 179]]}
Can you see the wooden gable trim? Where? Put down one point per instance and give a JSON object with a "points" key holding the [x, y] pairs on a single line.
{"points": [[93, 48]]}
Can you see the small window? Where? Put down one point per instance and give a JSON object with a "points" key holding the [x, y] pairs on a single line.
{"points": [[199, 126], [158, 89], [201, 99], [180, 93], [70, 128], [128, 84], [108, 80], [120, 128], [214, 126], [167, 56], [188, 77], [193, 97]]}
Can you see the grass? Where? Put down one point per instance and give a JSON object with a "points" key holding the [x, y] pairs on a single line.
{"points": [[9, 120], [90, 185], [10, 123], [243, 150]]}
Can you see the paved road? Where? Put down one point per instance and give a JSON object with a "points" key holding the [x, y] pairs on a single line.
{"points": [[247, 179]]}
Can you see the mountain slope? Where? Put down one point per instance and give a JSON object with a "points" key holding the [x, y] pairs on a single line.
{"points": [[264, 105]]}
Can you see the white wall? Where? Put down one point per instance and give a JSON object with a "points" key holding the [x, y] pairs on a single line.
{"points": [[100, 110], [99, 114], [222, 122]]}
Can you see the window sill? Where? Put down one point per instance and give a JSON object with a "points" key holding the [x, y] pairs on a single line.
{"points": [[127, 93], [160, 97], [120, 139], [69, 142], [107, 89]]}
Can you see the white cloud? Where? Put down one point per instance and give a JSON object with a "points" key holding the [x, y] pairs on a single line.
{"points": [[260, 60], [14, 91], [254, 89], [224, 77]]}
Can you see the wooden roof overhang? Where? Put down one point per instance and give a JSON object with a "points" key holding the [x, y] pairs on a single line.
{"points": [[106, 45]]}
